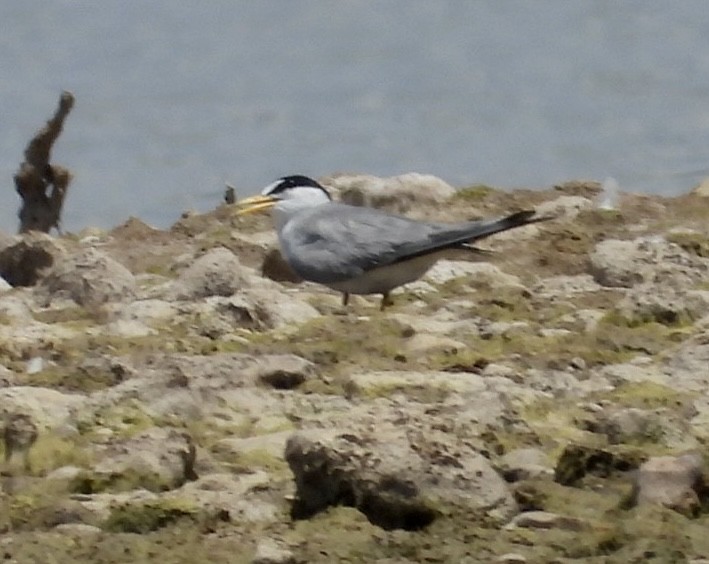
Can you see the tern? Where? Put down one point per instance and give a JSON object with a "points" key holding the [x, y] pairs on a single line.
{"points": [[360, 250]]}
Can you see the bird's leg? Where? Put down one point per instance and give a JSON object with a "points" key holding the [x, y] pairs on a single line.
{"points": [[386, 301], [345, 299]]}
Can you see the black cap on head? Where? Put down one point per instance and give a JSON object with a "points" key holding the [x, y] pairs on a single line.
{"points": [[294, 181]]}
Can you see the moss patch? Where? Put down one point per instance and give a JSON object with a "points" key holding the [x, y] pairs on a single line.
{"points": [[51, 451], [474, 193], [692, 242], [143, 518]]}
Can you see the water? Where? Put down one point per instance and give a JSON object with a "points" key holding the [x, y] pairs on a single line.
{"points": [[175, 98]]}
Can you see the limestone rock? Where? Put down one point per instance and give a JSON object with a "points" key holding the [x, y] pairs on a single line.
{"points": [[663, 304], [239, 497], [4, 285], [156, 459], [397, 194], [546, 520], [26, 261], [146, 311], [687, 366], [524, 464], [273, 444], [511, 558], [399, 481], [273, 309], [216, 273], [633, 372], [670, 481], [89, 278], [437, 383], [623, 264], [284, 372], [567, 207], [632, 425], [48, 408], [475, 273], [234, 370], [566, 286], [270, 552], [77, 529]]}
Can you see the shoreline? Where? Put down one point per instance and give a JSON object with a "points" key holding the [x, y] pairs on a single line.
{"points": [[509, 410]]}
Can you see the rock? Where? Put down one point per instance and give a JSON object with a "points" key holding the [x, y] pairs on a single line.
{"points": [[511, 558], [4, 285], [398, 480], [686, 368], [284, 372], [15, 308], [663, 304], [545, 520], [241, 497], [426, 342], [566, 207], [216, 273], [524, 464], [64, 473], [77, 529], [623, 264], [673, 482], [271, 552], [100, 506], [630, 425], [273, 444], [25, 262], [565, 286], [582, 320], [632, 372], [475, 273], [46, 407], [126, 329], [563, 383], [157, 459], [397, 194], [507, 329], [272, 309], [227, 371], [89, 278], [482, 403], [147, 311]]}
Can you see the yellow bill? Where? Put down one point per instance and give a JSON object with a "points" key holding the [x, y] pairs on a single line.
{"points": [[255, 204]]}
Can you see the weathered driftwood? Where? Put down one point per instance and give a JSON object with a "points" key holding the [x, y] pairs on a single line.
{"points": [[41, 185]]}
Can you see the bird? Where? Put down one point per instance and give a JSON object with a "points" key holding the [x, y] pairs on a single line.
{"points": [[362, 250]]}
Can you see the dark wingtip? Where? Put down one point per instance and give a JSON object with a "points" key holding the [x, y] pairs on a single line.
{"points": [[525, 217]]}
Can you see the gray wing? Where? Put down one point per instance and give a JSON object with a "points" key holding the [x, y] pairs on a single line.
{"points": [[336, 242]]}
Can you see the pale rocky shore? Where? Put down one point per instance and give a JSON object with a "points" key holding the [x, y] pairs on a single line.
{"points": [[177, 396]]}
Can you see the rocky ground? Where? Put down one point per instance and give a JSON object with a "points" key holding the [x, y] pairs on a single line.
{"points": [[176, 396]]}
